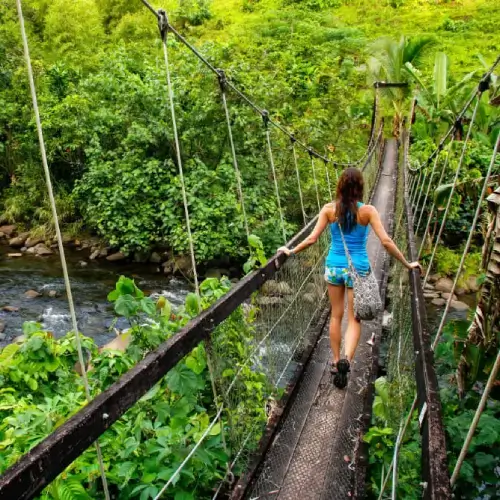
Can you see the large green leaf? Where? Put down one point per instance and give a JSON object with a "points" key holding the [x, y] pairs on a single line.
{"points": [[440, 77], [126, 306], [182, 380]]}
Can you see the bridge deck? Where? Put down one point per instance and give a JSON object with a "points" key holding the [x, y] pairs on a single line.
{"points": [[312, 455]]}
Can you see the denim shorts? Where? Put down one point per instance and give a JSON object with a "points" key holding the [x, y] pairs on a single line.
{"points": [[340, 276]]}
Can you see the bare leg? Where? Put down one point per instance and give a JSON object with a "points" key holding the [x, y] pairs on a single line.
{"points": [[336, 294], [353, 331]]}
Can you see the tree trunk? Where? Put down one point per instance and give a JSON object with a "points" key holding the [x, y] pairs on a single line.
{"points": [[486, 324]]}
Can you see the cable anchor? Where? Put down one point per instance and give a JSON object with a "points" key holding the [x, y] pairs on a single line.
{"points": [[163, 23], [265, 117], [221, 75]]}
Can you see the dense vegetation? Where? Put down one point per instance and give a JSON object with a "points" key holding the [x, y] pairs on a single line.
{"points": [[102, 96]]}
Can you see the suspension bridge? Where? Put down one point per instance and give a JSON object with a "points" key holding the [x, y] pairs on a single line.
{"points": [[311, 444]]}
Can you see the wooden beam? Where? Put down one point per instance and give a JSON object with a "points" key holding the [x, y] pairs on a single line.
{"points": [[37, 468]]}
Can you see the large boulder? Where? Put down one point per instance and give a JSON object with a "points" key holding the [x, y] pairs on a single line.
{"points": [[8, 230], [18, 241], [439, 302], [472, 284], [444, 285], [31, 242], [155, 258], [42, 250], [446, 296], [115, 257], [459, 306]]}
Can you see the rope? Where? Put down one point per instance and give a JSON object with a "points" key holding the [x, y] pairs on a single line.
{"points": [[448, 204], [475, 421], [298, 181], [315, 180], [223, 83], [413, 195], [271, 161], [468, 243], [164, 27], [420, 191], [55, 217]]}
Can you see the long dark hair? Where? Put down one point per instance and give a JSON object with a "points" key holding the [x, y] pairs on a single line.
{"points": [[349, 192]]}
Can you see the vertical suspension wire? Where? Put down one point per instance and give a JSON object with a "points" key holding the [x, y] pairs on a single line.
{"points": [[427, 193], [55, 217], [416, 187], [296, 164], [419, 195], [455, 180], [265, 117], [433, 206], [163, 26], [315, 179], [223, 84], [475, 420], [469, 241], [328, 181]]}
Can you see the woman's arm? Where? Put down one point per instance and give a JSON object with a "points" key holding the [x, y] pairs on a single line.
{"points": [[387, 242], [313, 237]]}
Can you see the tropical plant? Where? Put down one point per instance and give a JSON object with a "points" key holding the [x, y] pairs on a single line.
{"points": [[389, 62]]}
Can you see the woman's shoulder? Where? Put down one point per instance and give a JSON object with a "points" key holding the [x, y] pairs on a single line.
{"points": [[365, 212], [329, 210]]}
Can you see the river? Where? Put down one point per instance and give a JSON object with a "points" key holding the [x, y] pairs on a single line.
{"points": [[90, 286]]}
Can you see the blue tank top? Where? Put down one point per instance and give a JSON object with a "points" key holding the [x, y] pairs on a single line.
{"points": [[356, 244]]}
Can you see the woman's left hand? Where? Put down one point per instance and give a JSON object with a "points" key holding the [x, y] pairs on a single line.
{"points": [[285, 250]]}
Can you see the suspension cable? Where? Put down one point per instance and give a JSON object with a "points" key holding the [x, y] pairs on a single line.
{"points": [[265, 117], [455, 180], [164, 27], [328, 182], [469, 241], [295, 162], [311, 154], [433, 206], [475, 421], [55, 217], [223, 85]]}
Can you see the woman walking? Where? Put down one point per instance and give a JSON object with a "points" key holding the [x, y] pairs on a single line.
{"points": [[349, 215]]}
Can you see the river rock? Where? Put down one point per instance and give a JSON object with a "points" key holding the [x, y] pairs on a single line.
{"points": [[461, 290], [42, 250], [10, 309], [439, 302], [273, 287], [17, 242], [444, 285], [14, 255], [310, 298], [31, 242], [32, 294], [8, 230], [433, 278], [429, 287], [2, 326], [182, 264], [155, 258], [115, 257], [53, 294], [472, 284], [141, 257], [446, 296], [459, 306], [387, 319], [31, 250], [216, 273], [83, 263], [268, 301], [94, 254], [2, 336], [2, 235], [103, 253], [431, 295]]}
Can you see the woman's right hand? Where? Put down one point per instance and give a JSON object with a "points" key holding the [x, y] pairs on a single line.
{"points": [[416, 265]]}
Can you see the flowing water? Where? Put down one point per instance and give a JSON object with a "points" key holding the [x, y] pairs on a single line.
{"points": [[90, 286]]}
